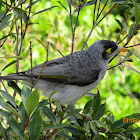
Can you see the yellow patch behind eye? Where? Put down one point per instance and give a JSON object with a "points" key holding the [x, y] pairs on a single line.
{"points": [[109, 51]]}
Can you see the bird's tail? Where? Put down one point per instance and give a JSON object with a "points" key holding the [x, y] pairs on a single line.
{"points": [[14, 77]]}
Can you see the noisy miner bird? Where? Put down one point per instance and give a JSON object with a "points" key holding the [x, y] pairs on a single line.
{"points": [[71, 76]]}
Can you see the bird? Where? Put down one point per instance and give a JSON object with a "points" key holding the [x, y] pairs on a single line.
{"points": [[71, 76]]}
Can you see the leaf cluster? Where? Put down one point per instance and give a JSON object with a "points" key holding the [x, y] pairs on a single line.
{"points": [[33, 120]]}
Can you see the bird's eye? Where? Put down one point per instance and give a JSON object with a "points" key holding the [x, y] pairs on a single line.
{"points": [[109, 50]]}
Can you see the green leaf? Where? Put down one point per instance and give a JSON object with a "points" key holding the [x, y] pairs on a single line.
{"points": [[72, 112], [49, 114], [52, 94], [92, 126], [74, 130], [35, 126], [57, 126], [25, 92], [63, 6], [16, 127], [11, 63], [128, 13], [32, 102], [3, 132], [8, 97], [23, 113], [20, 13], [128, 54], [126, 121], [100, 124], [5, 114], [40, 42], [136, 12], [41, 104], [88, 106], [44, 10], [32, 4], [132, 31], [120, 68], [4, 25], [5, 22], [9, 108], [100, 112], [65, 136], [96, 103], [131, 68], [120, 24], [134, 53], [6, 19], [13, 85], [2, 14], [133, 130], [58, 105]]}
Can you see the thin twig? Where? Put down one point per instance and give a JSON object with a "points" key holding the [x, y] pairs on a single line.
{"points": [[94, 12], [17, 64], [23, 34], [113, 57], [98, 10], [128, 41], [123, 39], [60, 53], [18, 5], [88, 36], [73, 32], [47, 49], [72, 44], [41, 69], [106, 14], [133, 45], [7, 35], [95, 24], [31, 60], [117, 64], [102, 10]]}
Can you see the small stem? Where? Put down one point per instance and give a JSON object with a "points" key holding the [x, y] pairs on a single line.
{"points": [[18, 5], [23, 34], [106, 13], [26, 124], [102, 10], [31, 60], [72, 44], [128, 41], [73, 32], [113, 57], [117, 64], [94, 12], [7, 35], [47, 49], [133, 45], [95, 24], [123, 39], [88, 36], [41, 70], [98, 11]]}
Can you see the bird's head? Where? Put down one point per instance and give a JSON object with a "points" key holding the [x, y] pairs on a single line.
{"points": [[105, 49]]}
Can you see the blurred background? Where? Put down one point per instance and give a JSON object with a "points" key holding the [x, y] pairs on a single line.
{"points": [[120, 90]]}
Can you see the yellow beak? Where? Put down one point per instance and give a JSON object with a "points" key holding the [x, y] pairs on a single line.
{"points": [[123, 50]]}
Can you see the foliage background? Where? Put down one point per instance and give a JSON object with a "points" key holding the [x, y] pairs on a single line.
{"points": [[117, 88]]}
